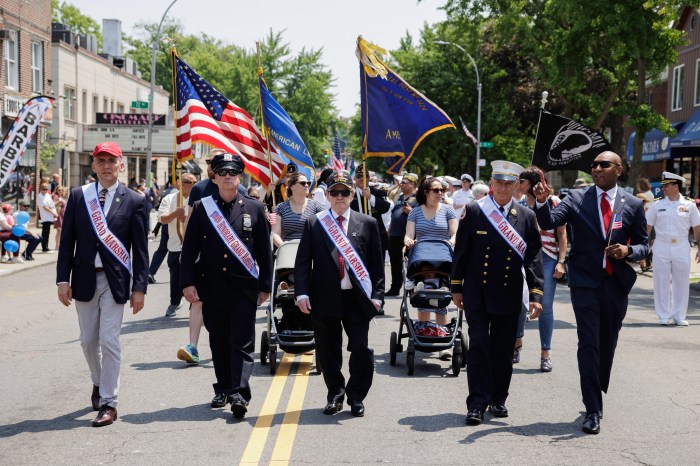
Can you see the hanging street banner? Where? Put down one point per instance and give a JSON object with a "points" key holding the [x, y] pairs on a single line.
{"points": [[20, 133], [395, 117], [564, 144]]}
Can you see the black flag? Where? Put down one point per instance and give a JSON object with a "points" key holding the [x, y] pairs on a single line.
{"points": [[563, 144]]}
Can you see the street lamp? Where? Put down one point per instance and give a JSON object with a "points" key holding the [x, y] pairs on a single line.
{"points": [[149, 141], [478, 90]]}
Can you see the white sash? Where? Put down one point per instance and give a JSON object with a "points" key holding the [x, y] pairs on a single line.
{"points": [[342, 244], [502, 226], [99, 224], [228, 236]]}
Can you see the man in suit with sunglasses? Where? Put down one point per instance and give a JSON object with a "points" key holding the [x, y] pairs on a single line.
{"points": [[342, 287], [226, 263], [608, 232]]}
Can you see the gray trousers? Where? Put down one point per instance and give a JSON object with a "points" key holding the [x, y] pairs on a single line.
{"points": [[100, 321]]}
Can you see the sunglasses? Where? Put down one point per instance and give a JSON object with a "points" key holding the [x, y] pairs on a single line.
{"points": [[255, 197], [603, 164], [188, 182], [304, 183], [336, 193], [231, 172], [437, 190]]}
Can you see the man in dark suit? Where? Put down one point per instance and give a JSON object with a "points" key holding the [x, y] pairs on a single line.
{"points": [[497, 253], [342, 287], [102, 263], [227, 235], [608, 231]]}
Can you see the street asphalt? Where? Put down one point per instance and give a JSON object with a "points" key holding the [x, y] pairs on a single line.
{"points": [[651, 414]]}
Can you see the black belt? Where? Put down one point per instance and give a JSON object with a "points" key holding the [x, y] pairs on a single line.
{"points": [[99, 269]]}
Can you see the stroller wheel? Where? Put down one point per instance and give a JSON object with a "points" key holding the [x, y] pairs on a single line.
{"points": [[392, 348], [410, 361], [456, 364], [264, 348], [273, 361]]}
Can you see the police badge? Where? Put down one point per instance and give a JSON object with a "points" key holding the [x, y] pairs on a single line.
{"points": [[247, 223]]}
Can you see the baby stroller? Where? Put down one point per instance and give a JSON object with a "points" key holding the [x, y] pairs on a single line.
{"points": [[429, 261], [292, 332]]}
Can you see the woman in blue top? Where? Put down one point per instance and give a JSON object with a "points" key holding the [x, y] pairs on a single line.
{"points": [[292, 213], [431, 220]]}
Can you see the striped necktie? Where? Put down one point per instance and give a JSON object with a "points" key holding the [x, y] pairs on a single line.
{"points": [[341, 259], [103, 197]]}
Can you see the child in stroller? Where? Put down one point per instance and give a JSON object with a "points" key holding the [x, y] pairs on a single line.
{"points": [[427, 279]]}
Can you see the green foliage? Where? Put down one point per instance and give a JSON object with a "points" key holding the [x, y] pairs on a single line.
{"points": [[300, 83], [47, 151], [66, 13]]}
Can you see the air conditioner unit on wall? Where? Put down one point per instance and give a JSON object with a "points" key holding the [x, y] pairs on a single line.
{"points": [[8, 34]]}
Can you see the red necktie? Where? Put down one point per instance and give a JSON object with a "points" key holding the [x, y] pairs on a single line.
{"points": [[341, 259], [607, 216]]}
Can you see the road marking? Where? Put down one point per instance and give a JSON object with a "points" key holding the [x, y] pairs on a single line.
{"points": [[256, 442], [285, 439]]}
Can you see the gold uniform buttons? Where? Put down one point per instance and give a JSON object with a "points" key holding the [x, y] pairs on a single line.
{"points": [[484, 282], [485, 273], [224, 269], [505, 276], [486, 264], [225, 256], [486, 256]]}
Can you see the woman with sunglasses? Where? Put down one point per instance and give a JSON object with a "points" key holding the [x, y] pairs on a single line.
{"points": [[432, 220], [292, 213]]}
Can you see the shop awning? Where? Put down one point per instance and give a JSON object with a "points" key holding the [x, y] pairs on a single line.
{"points": [[689, 136], [657, 146]]}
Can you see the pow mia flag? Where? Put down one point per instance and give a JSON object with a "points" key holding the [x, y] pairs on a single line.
{"points": [[563, 144]]}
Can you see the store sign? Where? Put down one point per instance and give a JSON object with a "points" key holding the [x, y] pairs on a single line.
{"points": [[12, 106], [128, 119], [131, 139]]}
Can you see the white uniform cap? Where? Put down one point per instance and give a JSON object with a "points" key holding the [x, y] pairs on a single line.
{"points": [[466, 177], [452, 180], [505, 170], [668, 177]]}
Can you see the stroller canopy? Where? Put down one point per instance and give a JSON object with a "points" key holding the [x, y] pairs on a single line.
{"points": [[433, 255]]}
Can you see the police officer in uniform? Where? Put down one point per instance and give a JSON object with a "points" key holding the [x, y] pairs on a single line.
{"points": [[211, 272], [487, 282], [672, 217]]}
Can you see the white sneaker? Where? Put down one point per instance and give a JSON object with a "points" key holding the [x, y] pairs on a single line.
{"points": [[665, 321], [446, 355], [681, 323], [420, 286], [3, 259], [17, 260]]}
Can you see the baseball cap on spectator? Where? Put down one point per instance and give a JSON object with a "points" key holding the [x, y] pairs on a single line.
{"points": [[110, 148], [580, 183], [25, 203]]}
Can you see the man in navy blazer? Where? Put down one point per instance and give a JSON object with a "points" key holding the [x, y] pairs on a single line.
{"points": [[608, 231], [102, 271], [326, 288]]}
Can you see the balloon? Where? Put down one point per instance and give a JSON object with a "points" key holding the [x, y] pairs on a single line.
{"points": [[11, 246], [22, 217], [19, 230]]}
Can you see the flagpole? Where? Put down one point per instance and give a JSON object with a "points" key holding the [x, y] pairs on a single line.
{"points": [[267, 136], [543, 102], [180, 198]]}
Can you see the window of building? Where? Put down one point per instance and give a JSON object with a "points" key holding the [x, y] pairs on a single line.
{"points": [[111, 106], [105, 108], [38, 67], [677, 89], [120, 108], [11, 47], [83, 106], [95, 103], [69, 103]]}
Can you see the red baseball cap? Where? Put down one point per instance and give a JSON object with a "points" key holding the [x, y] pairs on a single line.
{"points": [[111, 148]]}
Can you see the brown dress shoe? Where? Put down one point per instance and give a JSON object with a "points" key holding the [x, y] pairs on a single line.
{"points": [[95, 398], [105, 417]]}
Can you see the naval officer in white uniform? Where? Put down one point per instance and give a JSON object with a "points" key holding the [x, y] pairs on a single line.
{"points": [[672, 216]]}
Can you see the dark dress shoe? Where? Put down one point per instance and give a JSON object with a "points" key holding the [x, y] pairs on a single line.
{"points": [[151, 279], [239, 406], [393, 292], [592, 424], [333, 406], [474, 417], [105, 417], [498, 410], [357, 408], [220, 400], [95, 398]]}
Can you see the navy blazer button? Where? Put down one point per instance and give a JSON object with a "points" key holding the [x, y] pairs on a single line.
{"points": [[507, 268], [205, 236]]}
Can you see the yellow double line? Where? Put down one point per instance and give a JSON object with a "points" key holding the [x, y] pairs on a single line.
{"points": [[282, 451]]}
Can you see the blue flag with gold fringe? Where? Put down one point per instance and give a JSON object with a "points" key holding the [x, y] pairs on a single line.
{"points": [[283, 134], [395, 117]]}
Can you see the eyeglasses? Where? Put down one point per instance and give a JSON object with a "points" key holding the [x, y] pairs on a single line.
{"points": [[437, 190], [336, 193], [603, 164], [231, 172], [406, 182], [254, 197], [304, 183], [188, 182]]}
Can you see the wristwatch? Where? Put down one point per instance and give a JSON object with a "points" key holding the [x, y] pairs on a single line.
{"points": [[562, 261]]}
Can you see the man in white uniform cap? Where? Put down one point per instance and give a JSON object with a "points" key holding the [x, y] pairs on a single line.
{"points": [[671, 217]]}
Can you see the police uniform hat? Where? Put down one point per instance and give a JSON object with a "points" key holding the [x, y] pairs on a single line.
{"points": [[227, 161], [505, 170], [291, 168], [466, 177], [340, 177], [668, 177]]}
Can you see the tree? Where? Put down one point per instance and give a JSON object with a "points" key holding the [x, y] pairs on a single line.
{"points": [[70, 15]]}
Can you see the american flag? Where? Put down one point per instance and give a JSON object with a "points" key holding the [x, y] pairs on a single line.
{"points": [[204, 115], [337, 157], [617, 221], [467, 132]]}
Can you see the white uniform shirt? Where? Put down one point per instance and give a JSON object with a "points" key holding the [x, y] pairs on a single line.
{"points": [[45, 200], [168, 205], [462, 197], [672, 219]]}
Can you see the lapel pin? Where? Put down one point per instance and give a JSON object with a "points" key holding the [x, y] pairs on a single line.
{"points": [[513, 211], [117, 200], [354, 233], [240, 201]]}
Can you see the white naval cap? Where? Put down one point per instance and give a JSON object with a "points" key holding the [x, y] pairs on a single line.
{"points": [[668, 177], [505, 170]]}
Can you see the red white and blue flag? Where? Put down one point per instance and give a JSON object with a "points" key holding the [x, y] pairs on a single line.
{"points": [[617, 221], [337, 162], [467, 132], [204, 115]]}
